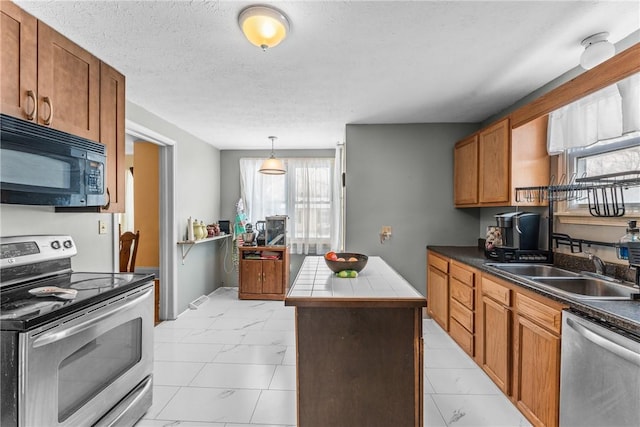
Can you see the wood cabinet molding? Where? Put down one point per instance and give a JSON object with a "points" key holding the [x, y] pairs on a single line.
{"points": [[609, 72]]}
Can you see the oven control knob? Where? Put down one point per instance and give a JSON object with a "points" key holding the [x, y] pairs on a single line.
{"points": [[55, 244], [68, 244]]}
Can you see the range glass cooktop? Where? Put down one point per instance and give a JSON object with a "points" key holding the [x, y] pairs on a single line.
{"points": [[31, 303]]}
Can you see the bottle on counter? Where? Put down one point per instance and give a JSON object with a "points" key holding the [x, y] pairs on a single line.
{"points": [[190, 231], [633, 235]]}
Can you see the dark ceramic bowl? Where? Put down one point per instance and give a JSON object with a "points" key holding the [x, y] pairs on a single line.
{"points": [[338, 266]]}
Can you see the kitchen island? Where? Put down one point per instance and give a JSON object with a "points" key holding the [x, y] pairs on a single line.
{"points": [[359, 347]]}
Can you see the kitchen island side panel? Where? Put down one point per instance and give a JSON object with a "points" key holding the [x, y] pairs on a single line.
{"points": [[359, 366]]}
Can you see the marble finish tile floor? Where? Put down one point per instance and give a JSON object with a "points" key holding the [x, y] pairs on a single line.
{"points": [[231, 363]]}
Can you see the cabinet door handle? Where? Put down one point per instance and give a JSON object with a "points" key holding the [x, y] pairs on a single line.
{"points": [[31, 95], [47, 101]]}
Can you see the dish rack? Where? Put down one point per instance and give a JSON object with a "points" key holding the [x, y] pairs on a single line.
{"points": [[603, 193]]}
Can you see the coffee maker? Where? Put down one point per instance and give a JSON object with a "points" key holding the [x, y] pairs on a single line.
{"points": [[520, 233]]}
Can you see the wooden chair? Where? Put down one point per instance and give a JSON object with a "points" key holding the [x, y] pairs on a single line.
{"points": [[128, 250]]}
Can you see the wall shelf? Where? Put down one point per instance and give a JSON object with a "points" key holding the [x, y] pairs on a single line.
{"points": [[186, 245]]}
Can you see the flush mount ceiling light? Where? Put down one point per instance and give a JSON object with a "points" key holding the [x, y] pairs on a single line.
{"points": [[272, 166], [596, 50], [263, 26]]}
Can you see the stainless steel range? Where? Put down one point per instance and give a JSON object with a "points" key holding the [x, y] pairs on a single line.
{"points": [[76, 348]]}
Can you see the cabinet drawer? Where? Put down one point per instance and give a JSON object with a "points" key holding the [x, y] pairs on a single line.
{"points": [[463, 337], [439, 263], [496, 291], [462, 314], [462, 274], [543, 315], [461, 293]]}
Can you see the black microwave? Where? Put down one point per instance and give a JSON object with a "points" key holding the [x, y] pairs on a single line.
{"points": [[44, 166]]}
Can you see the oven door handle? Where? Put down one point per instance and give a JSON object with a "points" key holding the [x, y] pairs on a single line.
{"points": [[596, 338], [52, 337]]}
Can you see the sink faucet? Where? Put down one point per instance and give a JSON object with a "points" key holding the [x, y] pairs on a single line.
{"points": [[597, 262]]}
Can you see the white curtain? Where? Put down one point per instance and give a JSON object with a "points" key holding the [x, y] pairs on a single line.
{"points": [[263, 195], [337, 238], [306, 194], [630, 93], [584, 122]]}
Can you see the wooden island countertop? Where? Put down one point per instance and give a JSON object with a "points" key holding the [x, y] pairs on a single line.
{"points": [[359, 347]]}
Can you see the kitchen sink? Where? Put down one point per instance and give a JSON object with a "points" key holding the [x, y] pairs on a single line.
{"points": [[587, 287], [576, 285], [534, 270]]}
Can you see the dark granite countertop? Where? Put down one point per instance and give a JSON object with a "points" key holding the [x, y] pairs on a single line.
{"points": [[620, 313]]}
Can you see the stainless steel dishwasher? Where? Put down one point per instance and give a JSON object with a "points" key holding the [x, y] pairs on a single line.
{"points": [[599, 374]]}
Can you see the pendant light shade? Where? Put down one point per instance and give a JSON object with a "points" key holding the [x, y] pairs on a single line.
{"points": [[596, 50], [263, 26], [272, 166]]}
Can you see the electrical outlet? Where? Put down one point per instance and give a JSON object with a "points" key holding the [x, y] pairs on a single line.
{"points": [[102, 227], [385, 233]]}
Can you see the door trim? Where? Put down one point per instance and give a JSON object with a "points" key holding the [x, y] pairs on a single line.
{"points": [[168, 230]]}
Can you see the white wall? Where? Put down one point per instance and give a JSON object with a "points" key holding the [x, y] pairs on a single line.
{"points": [[197, 195], [95, 251]]}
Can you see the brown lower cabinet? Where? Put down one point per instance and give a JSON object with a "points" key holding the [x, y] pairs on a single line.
{"points": [[438, 289], [264, 272], [519, 347], [513, 334]]}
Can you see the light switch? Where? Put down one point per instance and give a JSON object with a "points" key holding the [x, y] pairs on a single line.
{"points": [[102, 227]]}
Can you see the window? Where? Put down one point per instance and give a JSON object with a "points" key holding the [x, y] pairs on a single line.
{"points": [[612, 156], [306, 194]]}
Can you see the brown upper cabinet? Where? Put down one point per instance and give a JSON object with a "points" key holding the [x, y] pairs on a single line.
{"points": [[112, 134], [18, 62], [493, 163], [465, 179], [46, 78], [489, 164]]}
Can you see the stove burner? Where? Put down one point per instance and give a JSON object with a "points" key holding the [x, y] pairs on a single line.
{"points": [[98, 283]]}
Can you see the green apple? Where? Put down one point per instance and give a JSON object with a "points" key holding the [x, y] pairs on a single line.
{"points": [[343, 274], [353, 274]]}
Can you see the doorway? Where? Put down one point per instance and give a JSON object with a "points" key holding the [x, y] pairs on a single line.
{"points": [[166, 236]]}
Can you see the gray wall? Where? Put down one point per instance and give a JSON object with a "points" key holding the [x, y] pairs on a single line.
{"points": [[230, 193], [402, 176]]}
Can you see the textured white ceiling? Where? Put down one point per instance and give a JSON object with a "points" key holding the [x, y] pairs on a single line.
{"points": [[344, 61]]}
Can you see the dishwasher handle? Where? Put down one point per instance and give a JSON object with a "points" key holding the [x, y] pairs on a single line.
{"points": [[596, 338]]}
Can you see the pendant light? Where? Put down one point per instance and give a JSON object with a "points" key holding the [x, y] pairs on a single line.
{"points": [[272, 166], [263, 26]]}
